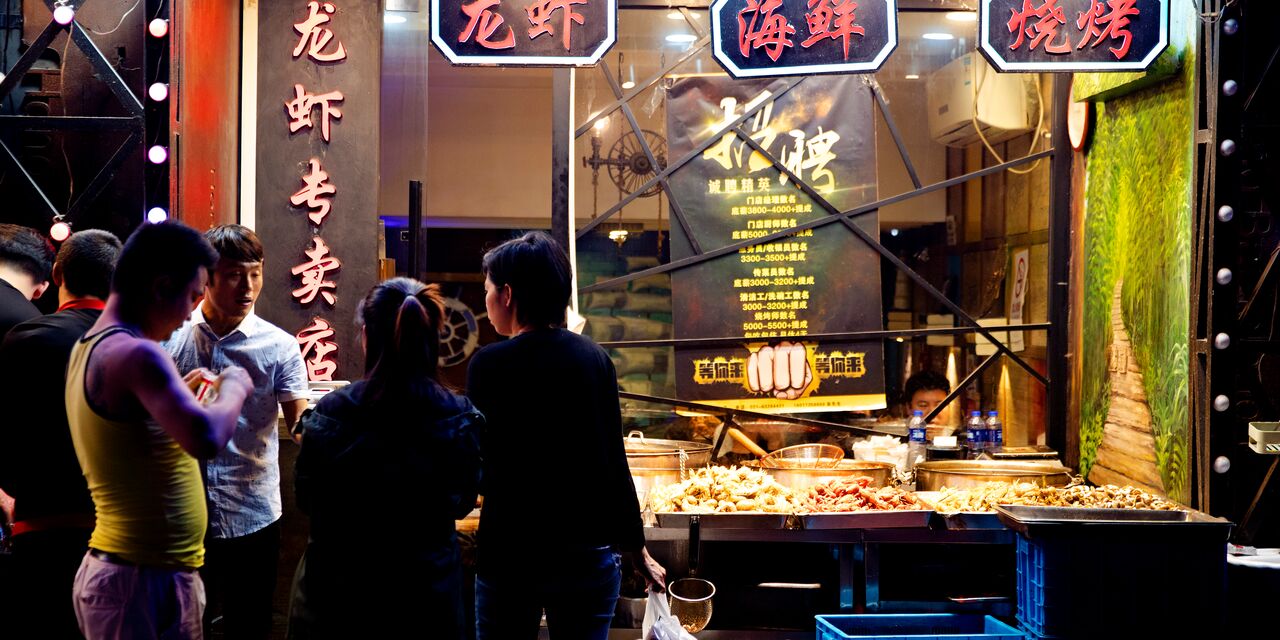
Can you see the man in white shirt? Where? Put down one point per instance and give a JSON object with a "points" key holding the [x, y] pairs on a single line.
{"points": [[243, 481]]}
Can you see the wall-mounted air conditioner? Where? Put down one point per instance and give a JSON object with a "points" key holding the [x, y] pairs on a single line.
{"points": [[1006, 103]]}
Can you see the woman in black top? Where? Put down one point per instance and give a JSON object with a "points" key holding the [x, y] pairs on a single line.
{"points": [[552, 446], [387, 464]]}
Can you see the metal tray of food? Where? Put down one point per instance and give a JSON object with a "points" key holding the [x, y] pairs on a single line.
{"points": [[742, 520], [1032, 520], [888, 519], [961, 520]]}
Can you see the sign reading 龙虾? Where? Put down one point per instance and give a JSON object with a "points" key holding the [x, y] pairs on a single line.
{"points": [[524, 32]]}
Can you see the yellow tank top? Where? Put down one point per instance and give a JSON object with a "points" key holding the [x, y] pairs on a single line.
{"points": [[147, 492]]}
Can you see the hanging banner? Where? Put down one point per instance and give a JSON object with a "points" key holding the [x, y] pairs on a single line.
{"points": [[1020, 271], [524, 32], [753, 38], [814, 281], [1072, 35], [317, 174]]}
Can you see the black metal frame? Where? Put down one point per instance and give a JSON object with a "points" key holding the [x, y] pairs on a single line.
{"points": [[1059, 157], [135, 123]]}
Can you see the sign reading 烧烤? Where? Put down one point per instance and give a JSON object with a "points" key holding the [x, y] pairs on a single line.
{"points": [[1072, 35], [524, 32], [777, 292], [317, 175], [753, 38]]}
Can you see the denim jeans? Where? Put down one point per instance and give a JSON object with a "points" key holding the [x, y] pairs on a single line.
{"points": [[577, 589]]}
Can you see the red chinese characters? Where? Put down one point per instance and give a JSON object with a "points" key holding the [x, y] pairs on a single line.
{"points": [[302, 105], [313, 274], [540, 17], [773, 33], [826, 21], [316, 193], [481, 14], [1040, 24], [318, 350], [1099, 23], [314, 37]]}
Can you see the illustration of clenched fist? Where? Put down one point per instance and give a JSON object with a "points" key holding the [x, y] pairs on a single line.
{"points": [[782, 370]]}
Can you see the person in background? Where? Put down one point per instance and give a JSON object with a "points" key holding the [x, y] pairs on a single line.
{"points": [[26, 260], [387, 465], [924, 391], [53, 514], [242, 549], [138, 430], [550, 399]]}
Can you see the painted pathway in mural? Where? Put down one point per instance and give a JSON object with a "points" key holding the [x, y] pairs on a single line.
{"points": [[1127, 454]]}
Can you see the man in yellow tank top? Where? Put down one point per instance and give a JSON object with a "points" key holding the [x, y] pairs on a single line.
{"points": [[138, 431]]}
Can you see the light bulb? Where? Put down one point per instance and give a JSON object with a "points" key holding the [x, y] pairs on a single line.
{"points": [[60, 231], [158, 91], [158, 28], [157, 215], [63, 15]]}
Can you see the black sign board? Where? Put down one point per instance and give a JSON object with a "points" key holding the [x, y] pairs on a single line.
{"points": [[1073, 35], [524, 32], [319, 66], [775, 293], [754, 38]]}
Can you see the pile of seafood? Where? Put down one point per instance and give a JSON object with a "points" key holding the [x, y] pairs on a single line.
{"points": [[986, 496], [723, 490], [843, 495]]}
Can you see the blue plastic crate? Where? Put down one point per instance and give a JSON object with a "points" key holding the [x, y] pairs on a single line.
{"points": [[915, 626], [1095, 587]]}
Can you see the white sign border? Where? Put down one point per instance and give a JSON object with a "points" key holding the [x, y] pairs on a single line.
{"points": [[844, 67], [524, 61], [984, 18]]}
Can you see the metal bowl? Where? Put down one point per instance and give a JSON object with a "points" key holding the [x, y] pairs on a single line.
{"points": [[881, 474], [652, 453], [967, 474]]}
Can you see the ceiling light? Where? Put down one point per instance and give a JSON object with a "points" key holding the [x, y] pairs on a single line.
{"points": [[962, 16], [681, 38], [938, 35], [392, 19], [912, 76], [675, 15], [628, 85], [601, 124]]}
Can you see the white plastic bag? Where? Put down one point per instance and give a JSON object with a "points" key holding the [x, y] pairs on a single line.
{"points": [[659, 624]]}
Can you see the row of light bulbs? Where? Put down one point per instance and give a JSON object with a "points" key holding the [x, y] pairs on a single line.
{"points": [[157, 92]]}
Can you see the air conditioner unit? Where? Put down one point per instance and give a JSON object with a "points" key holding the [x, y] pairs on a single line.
{"points": [[1006, 103]]}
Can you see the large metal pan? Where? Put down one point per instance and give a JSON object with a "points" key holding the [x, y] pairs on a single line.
{"points": [[881, 474], [967, 474]]}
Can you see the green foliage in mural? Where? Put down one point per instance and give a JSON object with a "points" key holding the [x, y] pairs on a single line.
{"points": [[1138, 199]]}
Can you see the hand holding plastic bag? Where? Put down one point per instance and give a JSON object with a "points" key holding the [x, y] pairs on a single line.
{"points": [[659, 624]]}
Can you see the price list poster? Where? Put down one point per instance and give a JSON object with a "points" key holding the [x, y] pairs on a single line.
{"points": [[776, 294]]}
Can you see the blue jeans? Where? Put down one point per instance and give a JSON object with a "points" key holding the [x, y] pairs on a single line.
{"points": [[578, 591]]}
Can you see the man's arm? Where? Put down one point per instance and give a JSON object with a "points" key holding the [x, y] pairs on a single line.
{"points": [[292, 410], [201, 431], [291, 386]]}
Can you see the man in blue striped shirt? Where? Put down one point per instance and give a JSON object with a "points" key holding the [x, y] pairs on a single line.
{"points": [[243, 481]]}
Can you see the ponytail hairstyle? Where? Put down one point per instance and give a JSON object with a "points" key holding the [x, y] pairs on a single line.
{"points": [[402, 319]]}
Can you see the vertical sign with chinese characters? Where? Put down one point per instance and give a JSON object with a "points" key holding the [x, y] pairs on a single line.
{"points": [[776, 293], [319, 65], [1072, 35], [754, 38], [524, 32]]}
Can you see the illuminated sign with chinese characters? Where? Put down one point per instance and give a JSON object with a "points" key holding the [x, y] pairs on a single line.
{"points": [[802, 37], [524, 32], [318, 70], [1073, 35]]}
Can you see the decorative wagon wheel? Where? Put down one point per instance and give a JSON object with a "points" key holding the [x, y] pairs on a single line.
{"points": [[459, 333], [629, 167]]}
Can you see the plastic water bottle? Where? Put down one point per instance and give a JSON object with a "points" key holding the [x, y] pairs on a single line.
{"points": [[977, 430], [995, 431], [916, 444]]}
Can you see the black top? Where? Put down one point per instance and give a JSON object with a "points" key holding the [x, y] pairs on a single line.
{"points": [[402, 475], [554, 470], [38, 465], [14, 308]]}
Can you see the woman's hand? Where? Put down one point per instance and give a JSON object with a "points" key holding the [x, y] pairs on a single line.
{"points": [[654, 574]]}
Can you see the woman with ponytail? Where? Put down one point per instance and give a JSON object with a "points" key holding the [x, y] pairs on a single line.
{"points": [[387, 464]]}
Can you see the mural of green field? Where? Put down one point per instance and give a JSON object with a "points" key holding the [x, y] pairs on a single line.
{"points": [[1138, 201]]}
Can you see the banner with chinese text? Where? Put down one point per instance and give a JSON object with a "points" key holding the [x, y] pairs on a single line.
{"points": [[524, 32], [1072, 35], [816, 281], [319, 66]]}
